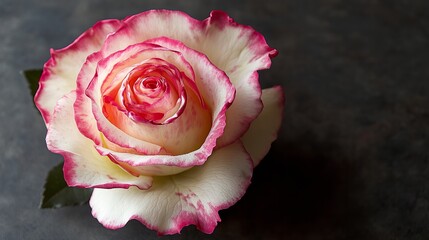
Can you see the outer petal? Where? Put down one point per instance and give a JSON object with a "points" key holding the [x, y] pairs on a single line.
{"points": [[263, 131], [236, 49], [61, 70], [240, 51], [192, 197], [83, 166]]}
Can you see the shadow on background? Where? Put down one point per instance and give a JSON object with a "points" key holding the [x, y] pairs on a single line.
{"points": [[301, 189]]}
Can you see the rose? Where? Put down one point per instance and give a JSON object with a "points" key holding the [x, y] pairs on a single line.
{"points": [[162, 115]]}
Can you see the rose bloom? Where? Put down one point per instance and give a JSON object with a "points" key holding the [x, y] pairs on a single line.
{"points": [[162, 114]]}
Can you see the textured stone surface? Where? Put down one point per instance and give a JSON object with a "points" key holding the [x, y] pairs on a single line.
{"points": [[352, 158]]}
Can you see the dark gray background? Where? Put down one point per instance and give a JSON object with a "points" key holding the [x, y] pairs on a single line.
{"points": [[351, 161]]}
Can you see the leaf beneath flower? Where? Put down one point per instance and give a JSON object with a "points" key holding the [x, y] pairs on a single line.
{"points": [[57, 194], [32, 76]]}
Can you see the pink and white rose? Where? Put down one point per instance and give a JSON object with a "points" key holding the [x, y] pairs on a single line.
{"points": [[162, 114]]}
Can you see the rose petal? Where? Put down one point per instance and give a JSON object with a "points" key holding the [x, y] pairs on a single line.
{"points": [[60, 71], [192, 197], [82, 106], [185, 134], [263, 131], [83, 166], [236, 49]]}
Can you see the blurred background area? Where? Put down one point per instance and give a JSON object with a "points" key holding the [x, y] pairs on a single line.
{"points": [[352, 157]]}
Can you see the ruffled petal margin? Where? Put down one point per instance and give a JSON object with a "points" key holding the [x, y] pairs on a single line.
{"points": [[83, 166], [61, 70], [191, 197]]}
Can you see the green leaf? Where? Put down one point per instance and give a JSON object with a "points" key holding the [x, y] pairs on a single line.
{"points": [[33, 77], [57, 194]]}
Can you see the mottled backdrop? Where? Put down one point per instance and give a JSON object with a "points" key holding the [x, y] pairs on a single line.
{"points": [[352, 158]]}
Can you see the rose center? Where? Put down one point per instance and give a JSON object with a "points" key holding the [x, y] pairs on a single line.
{"points": [[153, 92], [150, 82]]}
